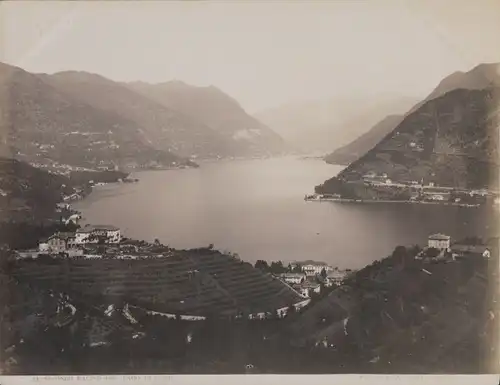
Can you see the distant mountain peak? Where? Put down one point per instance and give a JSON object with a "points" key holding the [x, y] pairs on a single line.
{"points": [[481, 76], [171, 83], [218, 111], [9, 67], [81, 75]]}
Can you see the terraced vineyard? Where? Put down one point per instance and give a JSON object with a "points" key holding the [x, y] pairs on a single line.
{"points": [[199, 282]]}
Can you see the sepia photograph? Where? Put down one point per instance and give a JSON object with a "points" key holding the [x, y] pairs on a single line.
{"points": [[249, 187]]}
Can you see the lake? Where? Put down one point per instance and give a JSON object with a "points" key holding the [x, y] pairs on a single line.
{"points": [[256, 208]]}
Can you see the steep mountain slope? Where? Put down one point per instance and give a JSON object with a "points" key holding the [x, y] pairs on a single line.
{"points": [[352, 151], [244, 134], [480, 77], [28, 191], [405, 315], [451, 141], [41, 123], [161, 126], [321, 125]]}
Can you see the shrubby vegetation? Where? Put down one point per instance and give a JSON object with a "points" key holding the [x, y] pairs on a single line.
{"points": [[25, 235]]}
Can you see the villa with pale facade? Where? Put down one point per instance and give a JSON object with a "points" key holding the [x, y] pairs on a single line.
{"points": [[439, 241], [93, 233]]}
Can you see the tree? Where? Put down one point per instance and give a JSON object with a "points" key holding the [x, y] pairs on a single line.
{"points": [[415, 250], [323, 273], [277, 267], [399, 254], [261, 265], [101, 244], [432, 252]]}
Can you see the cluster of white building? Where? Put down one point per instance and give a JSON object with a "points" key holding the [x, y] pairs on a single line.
{"points": [[312, 275]]}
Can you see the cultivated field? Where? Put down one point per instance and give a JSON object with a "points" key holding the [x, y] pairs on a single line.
{"points": [[196, 282]]}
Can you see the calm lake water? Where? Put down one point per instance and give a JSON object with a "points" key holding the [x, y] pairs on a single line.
{"points": [[256, 208]]}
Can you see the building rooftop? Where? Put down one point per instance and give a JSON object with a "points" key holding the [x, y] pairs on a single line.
{"points": [[311, 262], [439, 237], [60, 235], [63, 235], [292, 275], [335, 274], [309, 285]]}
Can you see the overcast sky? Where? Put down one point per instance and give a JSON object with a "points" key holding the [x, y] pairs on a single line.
{"points": [[263, 54]]}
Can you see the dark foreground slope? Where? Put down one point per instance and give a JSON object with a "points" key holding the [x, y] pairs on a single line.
{"points": [[398, 315], [93, 316], [194, 282], [401, 315]]}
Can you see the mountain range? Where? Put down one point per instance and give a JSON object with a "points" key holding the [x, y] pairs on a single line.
{"points": [[238, 133], [319, 126], [83, 119], [480, 77]]}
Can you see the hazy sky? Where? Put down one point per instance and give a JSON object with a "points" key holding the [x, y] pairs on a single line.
{"points": [[263, 54]]}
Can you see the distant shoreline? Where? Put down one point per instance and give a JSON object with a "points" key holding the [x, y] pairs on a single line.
{"points": [[347, 200]]}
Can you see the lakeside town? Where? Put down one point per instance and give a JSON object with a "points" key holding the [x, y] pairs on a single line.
{"points": [[415, 192]]}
